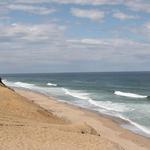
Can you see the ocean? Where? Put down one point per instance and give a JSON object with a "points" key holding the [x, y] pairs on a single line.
{"points": [[123, 95]]}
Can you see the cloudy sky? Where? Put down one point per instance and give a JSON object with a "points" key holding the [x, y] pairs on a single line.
{"points": [[74, 35]]}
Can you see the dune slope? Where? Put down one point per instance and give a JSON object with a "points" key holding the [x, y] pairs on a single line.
{"points": [[25, 125]]}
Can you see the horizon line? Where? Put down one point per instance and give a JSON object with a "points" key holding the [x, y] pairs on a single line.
{"points": [[73, 72]]}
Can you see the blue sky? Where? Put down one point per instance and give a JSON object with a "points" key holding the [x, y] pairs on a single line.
{"points": [[74, 35]]}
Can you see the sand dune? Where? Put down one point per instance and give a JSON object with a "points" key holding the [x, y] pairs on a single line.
{"points": [[39, 123]]}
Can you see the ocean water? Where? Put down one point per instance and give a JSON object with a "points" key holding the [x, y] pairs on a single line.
{"points": [[120, 94]]}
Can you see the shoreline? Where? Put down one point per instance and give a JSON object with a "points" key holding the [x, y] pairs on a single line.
{"points": [[121, 122], [108, 123]]}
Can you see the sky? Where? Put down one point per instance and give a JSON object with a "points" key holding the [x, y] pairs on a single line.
{"points": [[74, 35]]}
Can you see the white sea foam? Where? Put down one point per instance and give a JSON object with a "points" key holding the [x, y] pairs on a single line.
{"points": [[131, 95], [138, 126], [109, 106], [8, 83], [19, 84], [76, 94], [51, 84], [24, 85]]}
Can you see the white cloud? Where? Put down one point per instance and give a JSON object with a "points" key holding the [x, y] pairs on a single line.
{"points": [[30, 32], [115, 42], [88, 41], [46, 44], [142, 31], [88, 2], [31, 9], [80, 2], [145, 29], [147, 25], [116, 49], [34, 6], [123, 16], [138, 5], [92, 14], [49, 41]]}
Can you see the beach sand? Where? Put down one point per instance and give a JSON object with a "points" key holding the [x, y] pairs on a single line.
{"points": [[32, 121]]}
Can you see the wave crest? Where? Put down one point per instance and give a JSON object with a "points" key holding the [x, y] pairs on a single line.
{"points": [[131, 95], [107, 105], [75, 94], [51, 84]]}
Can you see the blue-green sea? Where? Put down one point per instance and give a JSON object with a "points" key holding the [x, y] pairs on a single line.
{"points": [[120, 94]]}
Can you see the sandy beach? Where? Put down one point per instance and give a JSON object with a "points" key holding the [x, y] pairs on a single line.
{"points": [[32, 121]]}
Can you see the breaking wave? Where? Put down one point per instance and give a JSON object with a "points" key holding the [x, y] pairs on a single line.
{"points": [[140, 127], [75, 94], [51, 84], [19, 84], [107, 105], [131, 95]]}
